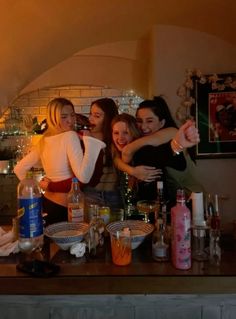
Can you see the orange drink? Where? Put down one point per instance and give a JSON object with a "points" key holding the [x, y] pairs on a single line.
{"points": [[121, 249]]}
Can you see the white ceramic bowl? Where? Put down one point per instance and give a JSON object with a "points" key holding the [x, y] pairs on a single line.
{"points": [[65, 234], [138, 230]]}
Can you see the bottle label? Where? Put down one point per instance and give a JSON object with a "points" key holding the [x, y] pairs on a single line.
{"points": [[160, 251], [75, 213], [104, 213], [181, 239], [31, 223]]}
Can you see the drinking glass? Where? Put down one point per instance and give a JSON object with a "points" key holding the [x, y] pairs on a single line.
{"points": [[146, 207], [215, 249], [117, 214], [199, 244], [121, 249]]}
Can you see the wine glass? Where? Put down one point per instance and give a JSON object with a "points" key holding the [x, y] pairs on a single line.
{"points": [[146, 207]]}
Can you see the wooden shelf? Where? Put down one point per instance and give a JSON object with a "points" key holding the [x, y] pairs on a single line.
{"points": [[100, 276]]}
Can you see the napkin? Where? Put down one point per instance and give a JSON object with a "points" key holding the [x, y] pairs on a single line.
{"points": [[78, 249], [7, 243]]}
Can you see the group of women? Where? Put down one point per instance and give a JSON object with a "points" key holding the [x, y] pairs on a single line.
{"points": [[145, 148]]}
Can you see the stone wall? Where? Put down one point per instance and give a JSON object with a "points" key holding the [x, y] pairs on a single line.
{"points": [[34, 103], [119, 306]]}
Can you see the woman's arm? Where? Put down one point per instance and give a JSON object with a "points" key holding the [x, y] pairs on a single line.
{"points": [[186, 136], [26, 163], [158, 138], [64, 186], [83, 164], [141, 172]]}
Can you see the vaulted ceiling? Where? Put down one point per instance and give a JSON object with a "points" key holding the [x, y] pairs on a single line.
{"points": [[38, 34]]}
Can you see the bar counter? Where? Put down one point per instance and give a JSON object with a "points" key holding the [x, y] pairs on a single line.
{"points": [[90, 276]]}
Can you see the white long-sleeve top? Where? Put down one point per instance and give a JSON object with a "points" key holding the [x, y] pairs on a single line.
{"points": [[62, 157]]}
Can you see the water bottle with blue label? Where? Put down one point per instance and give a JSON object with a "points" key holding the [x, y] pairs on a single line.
{"points": [[30, 214]]}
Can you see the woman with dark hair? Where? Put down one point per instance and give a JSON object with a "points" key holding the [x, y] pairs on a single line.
{"points": [[106, 191], [102, 111], [124, 131], [153, 118], [159, 118], [160, 108]]}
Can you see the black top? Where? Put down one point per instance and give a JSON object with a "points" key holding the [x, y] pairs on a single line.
{"points": [[159, 157]]}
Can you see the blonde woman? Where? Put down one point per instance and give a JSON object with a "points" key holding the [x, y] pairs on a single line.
{"points": [[61, 156], [102, 188]]}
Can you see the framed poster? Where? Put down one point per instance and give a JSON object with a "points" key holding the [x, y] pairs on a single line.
{"points": [[215, 113]]}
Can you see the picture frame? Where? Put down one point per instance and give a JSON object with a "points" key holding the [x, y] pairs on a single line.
{"points": [[215, 115]]}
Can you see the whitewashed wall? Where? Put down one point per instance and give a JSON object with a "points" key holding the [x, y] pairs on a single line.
{"points": [[174, 50]]}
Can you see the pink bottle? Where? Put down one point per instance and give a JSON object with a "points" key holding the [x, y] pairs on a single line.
{"points": [[181, 233]]}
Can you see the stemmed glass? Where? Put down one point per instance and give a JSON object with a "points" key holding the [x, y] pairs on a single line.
{"points": [[146, 207]]}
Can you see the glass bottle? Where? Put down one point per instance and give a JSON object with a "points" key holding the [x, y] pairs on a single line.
{"points": [[95, 236], [199, 233], [160, 198], [215, 220], [215, 249], [30, 214], [181, 234], [210, 209], [75, 202], [160, 246], [128, 185]]}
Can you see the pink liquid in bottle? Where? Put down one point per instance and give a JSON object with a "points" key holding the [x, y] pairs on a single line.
{"points": [[181, 233]]}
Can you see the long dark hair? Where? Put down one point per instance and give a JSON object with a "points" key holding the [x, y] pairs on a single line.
{"points": [[110, 109], [160, 108]]}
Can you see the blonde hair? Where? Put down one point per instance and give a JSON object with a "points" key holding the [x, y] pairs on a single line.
{"points": [[54, 109]]}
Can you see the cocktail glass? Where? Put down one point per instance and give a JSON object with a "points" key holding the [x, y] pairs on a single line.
{"points": [[146, 207]]}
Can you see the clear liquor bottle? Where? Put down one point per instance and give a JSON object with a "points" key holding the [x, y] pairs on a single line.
{"points": [[75, 202], [160, 246], [215, 249], [160, 198]]}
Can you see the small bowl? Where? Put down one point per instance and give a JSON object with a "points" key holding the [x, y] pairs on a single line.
{"points": [[139, 230], [65, 234]]}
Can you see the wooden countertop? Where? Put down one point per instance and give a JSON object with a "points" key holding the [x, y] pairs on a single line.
{"points": [[99, 275]]}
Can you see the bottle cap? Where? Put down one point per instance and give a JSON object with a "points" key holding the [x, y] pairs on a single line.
{"points": [[75, 180]]}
